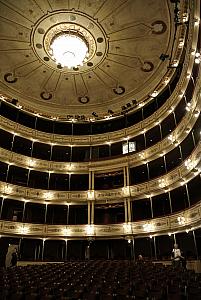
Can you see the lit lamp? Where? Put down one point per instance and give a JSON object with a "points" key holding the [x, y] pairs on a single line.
{"points": [[148, 227], [127, 228], [69, 49], [66, 231], [91, 194], [90, 230]]}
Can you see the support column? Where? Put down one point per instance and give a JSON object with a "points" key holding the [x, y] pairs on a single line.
{"points": [[129, 210], [187, 193], [91, 197], [164, 160], [155, 250], [125, 211], [67, 216], [92, 180], [1, 210], [69, 181], [23, 213], [66, 250], [51, 149], [39, 250], [89, 212], [48, 181], [35, 252], [170, 201], [195, 244], [175, 240], [152, 214], [109, 145], [19, 247], [160, 129], [145, 140], [45, 220], [125, 176], [133, 245], [180, 151], [128, 176], [193, 137], [11, 149], [92, 212], [43, 246], [62, 252], [147, 164], [28, 176]]}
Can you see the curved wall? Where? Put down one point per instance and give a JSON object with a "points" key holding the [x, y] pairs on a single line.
{"points": [[72, 183]]}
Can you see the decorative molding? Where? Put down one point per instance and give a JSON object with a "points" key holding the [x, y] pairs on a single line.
{"points": [[98, 139], [180, 175], [135, 159], [191, 219]]}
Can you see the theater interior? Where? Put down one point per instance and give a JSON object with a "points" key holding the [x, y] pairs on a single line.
{"points": [[100, 150]]}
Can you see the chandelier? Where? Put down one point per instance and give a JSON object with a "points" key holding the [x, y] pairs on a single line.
{"points": [[69, 49]]}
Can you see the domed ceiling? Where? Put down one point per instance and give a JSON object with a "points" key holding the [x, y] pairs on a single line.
{"points": [[126, 40]]}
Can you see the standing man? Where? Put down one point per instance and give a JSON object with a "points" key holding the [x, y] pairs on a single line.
{"points": [[14, 258], [176, 256]]}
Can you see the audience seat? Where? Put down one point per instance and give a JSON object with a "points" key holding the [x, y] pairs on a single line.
{"points": [[99, 280]]}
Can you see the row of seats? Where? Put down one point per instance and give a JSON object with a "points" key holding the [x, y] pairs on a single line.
{"points": [[99, 280]]}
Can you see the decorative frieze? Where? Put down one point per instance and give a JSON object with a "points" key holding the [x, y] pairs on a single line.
{"points": [[151, 153], [176, 177], [183, 221]]}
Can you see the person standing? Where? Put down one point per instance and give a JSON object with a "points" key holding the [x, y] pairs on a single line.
{"points": [[140, 258], [14, 258], [176, 256]]}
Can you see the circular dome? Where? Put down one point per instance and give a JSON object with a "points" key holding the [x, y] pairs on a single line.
{"points": [[126, 50], [84, 57]]}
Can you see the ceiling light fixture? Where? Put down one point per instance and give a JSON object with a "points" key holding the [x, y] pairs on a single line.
{"points": [[69, 49]]}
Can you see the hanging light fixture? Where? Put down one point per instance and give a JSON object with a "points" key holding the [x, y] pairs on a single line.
{"points": [[69, 49]]}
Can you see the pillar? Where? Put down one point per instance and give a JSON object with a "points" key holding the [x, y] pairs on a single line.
{"points": [[92, 180], [1, 210], [125, 176], [187, 193], [133, 246], [43, 246], [89, 212], [23, 213], [129, 210], [195, 245], [67, 216], [128, 176], [66, 250], [35, 252], [152, 213], [125, 211], [45, 219], [92, 212], [155, 250]]}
